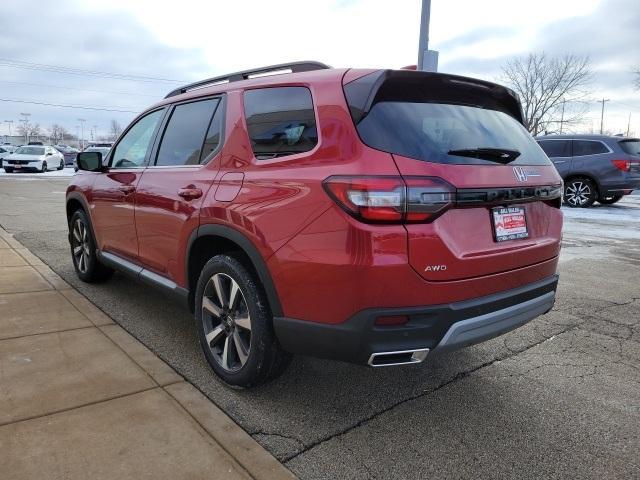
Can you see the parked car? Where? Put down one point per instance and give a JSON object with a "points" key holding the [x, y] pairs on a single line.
{"points": [[69, 153], [35, 143], [368, 216], [3, 153], [98, 144], [34, 157], [594, 167]]}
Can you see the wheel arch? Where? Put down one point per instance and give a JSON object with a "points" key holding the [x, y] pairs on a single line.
{"points": [[209, 240], [574, 175]]}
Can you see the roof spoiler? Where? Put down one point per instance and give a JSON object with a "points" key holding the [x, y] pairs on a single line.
{"points": [[431, 87], [294, 67]]}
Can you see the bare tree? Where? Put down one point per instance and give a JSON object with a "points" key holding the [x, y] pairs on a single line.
{"points": [[57, 133], [114, 129], [552, 90], [29, 130]]}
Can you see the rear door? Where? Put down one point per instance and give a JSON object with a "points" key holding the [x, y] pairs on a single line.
{"points": [[458, 142], [171, 190]]}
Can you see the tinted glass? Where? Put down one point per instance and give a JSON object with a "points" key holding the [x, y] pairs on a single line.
{"points": [[632, 147], [428, 131], [588, 147], [131, 151], [30, 151], [280, 121], [182, 140], [214, 135], [556, 148]]}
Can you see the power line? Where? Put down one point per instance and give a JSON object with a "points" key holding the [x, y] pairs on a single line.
{"points": [[77, 89], [80, 107], [5, 62]]}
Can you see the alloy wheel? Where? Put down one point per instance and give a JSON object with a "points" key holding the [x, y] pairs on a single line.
{"points": [[577, 194], [226, 321], [81, 249]]}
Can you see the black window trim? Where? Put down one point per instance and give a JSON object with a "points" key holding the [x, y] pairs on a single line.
{"points": [[569, 140], [222, 102], [609, 150], [295, 156], [129, 127]]}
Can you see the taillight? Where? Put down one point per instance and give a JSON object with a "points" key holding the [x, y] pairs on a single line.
{"points": [[391, 199], [624, 165]]}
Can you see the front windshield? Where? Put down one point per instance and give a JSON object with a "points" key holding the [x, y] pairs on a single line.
{"points": [[30, 151]]}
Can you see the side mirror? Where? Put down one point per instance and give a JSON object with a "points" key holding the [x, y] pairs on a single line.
{"points": [[89, 161], [49, 154]]}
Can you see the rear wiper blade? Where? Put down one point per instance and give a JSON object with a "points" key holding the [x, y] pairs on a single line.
{"points": [[500, 155]]}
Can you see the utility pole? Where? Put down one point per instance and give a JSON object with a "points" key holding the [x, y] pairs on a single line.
{"points": [[427, 59], [95, 133], [629, 124], [78, 135], [25, 119], [562, 116], [9, 122], [604, 100], [82, 120]]}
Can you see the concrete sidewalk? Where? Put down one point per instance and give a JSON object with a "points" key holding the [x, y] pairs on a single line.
{"points": [[80, 398]]}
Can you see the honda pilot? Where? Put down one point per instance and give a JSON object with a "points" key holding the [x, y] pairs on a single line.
{"points": [[369, 216]]}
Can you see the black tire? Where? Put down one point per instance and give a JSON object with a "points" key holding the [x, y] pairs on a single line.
{"points": [[223, 341], [8, 170], [580, 192], [61, 167], [44, 167], [83, 250], [609, 199]]}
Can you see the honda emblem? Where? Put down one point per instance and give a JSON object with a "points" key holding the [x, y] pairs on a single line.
{"points": [[520, 174]]}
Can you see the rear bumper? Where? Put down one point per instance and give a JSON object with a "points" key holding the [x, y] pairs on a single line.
{"points": [[621, 188], [436, 328]]}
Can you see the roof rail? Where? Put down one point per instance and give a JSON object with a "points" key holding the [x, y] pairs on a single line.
{"points": [[294, 67]]}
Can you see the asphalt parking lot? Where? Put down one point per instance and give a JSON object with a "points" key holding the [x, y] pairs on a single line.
{"points": [[558, 398]]}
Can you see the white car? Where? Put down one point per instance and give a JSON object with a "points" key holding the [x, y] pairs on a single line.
{"points": [[34, 157]]}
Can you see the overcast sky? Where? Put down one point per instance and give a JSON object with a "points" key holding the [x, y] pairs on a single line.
{"points": [[147, 47]]}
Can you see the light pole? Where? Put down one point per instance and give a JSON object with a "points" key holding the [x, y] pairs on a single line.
{"points": [[78, 135], [82, 120], [25, 119], [9, 122], [95, 133], [602, 114], [427, 59], [562, 116]]}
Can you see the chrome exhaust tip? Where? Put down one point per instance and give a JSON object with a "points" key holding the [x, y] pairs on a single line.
{"points": [[402, 357]]}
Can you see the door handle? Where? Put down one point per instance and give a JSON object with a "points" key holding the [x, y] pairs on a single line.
{"points": [[127, 189], [190, 193]]}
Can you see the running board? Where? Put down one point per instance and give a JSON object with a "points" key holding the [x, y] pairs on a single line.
{"points": [[140, 273]]}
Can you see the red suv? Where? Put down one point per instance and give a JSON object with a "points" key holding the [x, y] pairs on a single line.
{"points": [[369, 216]]}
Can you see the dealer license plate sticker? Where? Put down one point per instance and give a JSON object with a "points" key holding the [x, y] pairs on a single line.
{"points": [[509, 223]]}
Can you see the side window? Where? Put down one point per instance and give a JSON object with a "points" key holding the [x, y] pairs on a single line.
{"points": [[556, 148], [132, 149], [280, 121], [214, 134], [185, 133], [588, 147]]}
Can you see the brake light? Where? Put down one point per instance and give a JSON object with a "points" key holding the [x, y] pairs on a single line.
{"points": [[391, 199], [624, 165]]}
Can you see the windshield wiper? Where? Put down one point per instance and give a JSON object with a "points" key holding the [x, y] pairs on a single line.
{"points": [[499, 155]]}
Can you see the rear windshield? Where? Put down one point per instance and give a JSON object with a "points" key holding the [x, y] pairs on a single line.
{"points": [[632, 147], [30, 151], [429, 129]]}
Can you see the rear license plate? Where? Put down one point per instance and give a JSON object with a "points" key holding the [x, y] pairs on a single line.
{"points": [[509, 223]]}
